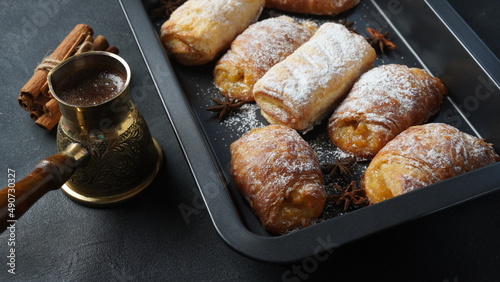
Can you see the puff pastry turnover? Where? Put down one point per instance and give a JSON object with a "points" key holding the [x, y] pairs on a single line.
{"points": [[255, 51], [277, 172], [422, 155], [385, 101], [199, 30], [304, 87], [316, 7]]}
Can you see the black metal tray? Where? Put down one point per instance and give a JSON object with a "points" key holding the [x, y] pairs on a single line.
{"points": [[429, 34]]}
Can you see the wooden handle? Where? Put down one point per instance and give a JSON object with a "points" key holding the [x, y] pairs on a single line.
{"points": [[49, 174]]}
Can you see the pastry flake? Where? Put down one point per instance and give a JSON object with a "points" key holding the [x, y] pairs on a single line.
{"points": [[423, 155], [299, 91], [277, 172], [315, 7], [255, 51], [385, 101], [199, 30]]}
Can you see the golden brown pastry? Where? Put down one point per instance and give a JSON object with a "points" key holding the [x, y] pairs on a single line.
{"points": [[277, 172], [255, 51], [422, 155], [385, 101], [316, 7], [199, 30], [304, 87]]}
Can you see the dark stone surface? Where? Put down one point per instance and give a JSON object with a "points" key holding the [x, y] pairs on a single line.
{"points": [[149, 238]]}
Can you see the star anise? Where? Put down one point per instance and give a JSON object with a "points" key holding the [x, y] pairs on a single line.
{"points": [[348, 196], [348, 25], [342, 167], [379, 40], [226, 106], [166, 9]]}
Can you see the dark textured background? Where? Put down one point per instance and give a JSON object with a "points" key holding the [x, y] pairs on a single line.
{"points": [[149, 238]]}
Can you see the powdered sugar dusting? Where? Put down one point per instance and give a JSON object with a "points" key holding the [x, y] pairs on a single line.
{"points": [[325, 151], [388, 94], [276, 154], [245, 120], [389, 98], [273, 167], [326, 7], [223, 12], [439, 149], [316, 71], [337, 49], [270, 41], [208, 27], [256, 50]]}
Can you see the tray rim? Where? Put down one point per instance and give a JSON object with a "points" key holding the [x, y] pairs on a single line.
{"points": [[278, 249], [471, 42]]}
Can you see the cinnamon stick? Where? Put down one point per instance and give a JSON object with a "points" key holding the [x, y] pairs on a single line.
{"points": [[25, 102], [51, 108], [51, 115], [35, 96], [40, 102], [32, 88], [47, 122], [35, 114], [100, 43], [86, 45], [45, 90], [112, 49]]}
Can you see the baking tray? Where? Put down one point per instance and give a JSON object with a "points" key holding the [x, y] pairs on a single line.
{"points": [[429, 34]]}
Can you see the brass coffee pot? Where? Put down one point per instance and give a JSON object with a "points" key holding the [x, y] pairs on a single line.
{"points": [[106, 152]]}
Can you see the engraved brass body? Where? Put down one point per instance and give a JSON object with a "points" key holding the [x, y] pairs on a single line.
{"points": [[124, 158]]}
